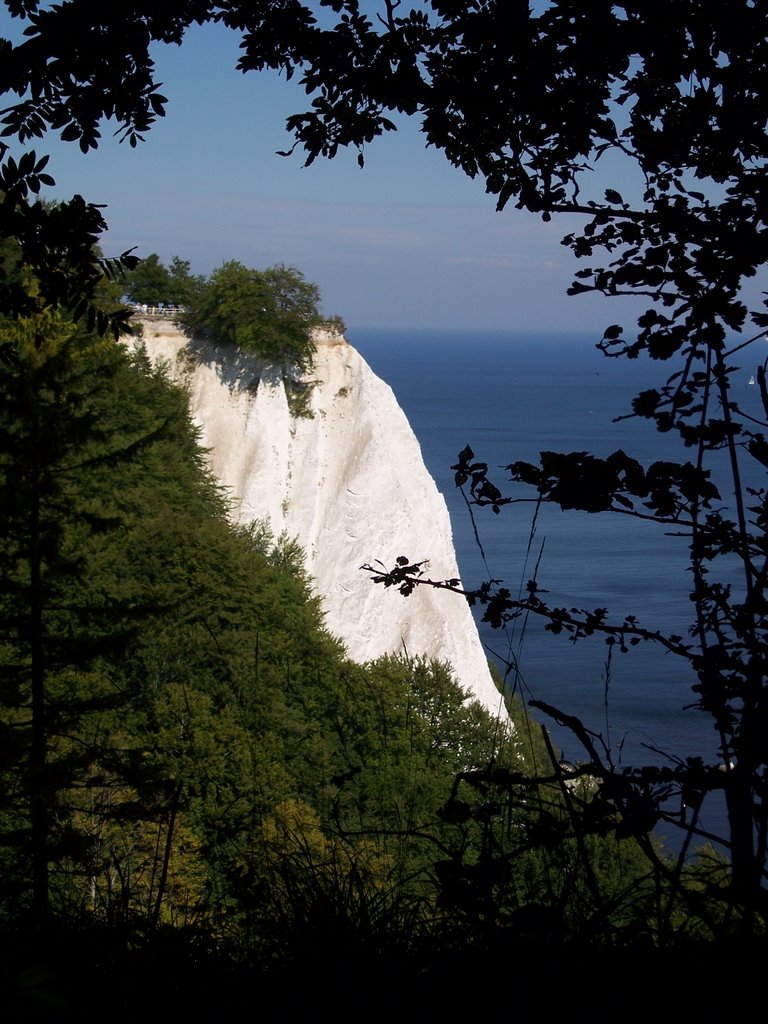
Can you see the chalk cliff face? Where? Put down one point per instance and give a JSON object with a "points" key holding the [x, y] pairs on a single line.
{"points": [[348, 482]]}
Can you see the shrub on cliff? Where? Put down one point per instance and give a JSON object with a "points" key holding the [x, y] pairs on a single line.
{"points": [[269, 312]]}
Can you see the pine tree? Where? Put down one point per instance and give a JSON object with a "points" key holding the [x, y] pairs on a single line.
{"points": [[55, 629]]}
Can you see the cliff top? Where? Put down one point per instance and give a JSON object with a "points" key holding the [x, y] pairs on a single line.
{"points": [[164, 325]]}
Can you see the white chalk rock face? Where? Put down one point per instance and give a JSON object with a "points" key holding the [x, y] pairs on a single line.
{"points": [[348, 482]]}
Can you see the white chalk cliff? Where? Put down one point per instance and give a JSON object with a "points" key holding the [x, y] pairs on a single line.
{"points": [[349, 483]]}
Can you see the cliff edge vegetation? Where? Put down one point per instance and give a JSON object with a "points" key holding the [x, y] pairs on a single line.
{"points": [[267, 313]]}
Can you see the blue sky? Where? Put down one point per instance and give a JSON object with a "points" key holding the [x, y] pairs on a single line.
{"points": [[408, 241]]}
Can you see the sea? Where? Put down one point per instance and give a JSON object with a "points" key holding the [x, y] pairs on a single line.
{"points": [[508, 396]]}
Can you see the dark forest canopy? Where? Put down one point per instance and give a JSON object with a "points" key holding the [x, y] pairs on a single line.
{"points": [[529, 98]]}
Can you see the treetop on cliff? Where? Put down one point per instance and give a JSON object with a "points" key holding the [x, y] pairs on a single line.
{"points": [[269, 313]]}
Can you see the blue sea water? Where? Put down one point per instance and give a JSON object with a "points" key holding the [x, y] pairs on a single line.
{"points": [[509, 396]]}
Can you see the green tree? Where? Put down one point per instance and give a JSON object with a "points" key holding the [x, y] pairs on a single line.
{"points": [[407, 728], [56, 383], [269, 313], [182, 283], [149, 283]]}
